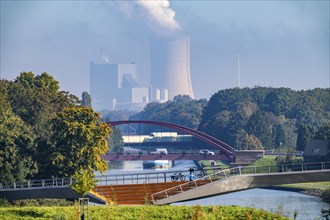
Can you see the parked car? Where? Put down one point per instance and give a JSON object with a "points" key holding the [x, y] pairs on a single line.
{"points": [[206, 152], [159, 151]]}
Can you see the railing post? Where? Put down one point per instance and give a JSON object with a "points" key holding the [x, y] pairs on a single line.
{"points": [[255, 170], [268, 169], [106, 180], [302, 167], [165, 177], [14, 185], [153, 200], [240, 171]]}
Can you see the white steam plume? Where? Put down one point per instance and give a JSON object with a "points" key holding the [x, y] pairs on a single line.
{"points": [[105, 58], [159, 13]]}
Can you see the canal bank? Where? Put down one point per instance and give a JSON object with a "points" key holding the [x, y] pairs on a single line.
{"points": [[276, 201], [321, 193]]}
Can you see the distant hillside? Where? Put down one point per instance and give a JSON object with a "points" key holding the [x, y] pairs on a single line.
{"points": [[272, 116], [250, 118]]}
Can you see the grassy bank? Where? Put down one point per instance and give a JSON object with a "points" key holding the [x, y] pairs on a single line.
{"points": [[306, 186], [139, 212]]}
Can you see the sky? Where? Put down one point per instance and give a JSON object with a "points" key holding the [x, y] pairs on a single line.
{"points": [[280, 43]]}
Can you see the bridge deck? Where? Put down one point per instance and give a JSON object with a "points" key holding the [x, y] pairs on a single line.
{"points": [[113, 157], [166, 192], [242, 178]]}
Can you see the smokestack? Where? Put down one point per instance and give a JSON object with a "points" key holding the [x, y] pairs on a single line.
{"points": [[170, 66]]}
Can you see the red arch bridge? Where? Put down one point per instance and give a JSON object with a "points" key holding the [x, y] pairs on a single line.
{"points": [[227, 152]]}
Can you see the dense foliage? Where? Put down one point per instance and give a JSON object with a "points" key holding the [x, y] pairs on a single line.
{"points": [[251, 118], [182, 111], [273, 117], [45, 132]]}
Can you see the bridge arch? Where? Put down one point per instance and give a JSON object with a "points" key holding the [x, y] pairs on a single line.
{"points": [[225, 148]]}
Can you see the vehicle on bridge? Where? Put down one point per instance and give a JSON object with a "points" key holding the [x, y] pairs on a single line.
{"points": [[206, 152], [159, 151]]}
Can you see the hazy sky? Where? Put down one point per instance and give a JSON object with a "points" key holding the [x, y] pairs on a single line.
{"points": [[280, 43]]}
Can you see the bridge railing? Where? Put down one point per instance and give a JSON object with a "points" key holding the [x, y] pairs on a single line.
{"points": [[56, 182], [112, 179], [248, 170], [140, 178]]}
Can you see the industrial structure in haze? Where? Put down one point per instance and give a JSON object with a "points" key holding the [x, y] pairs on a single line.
{"points": [[114, 86], [170, 67]]}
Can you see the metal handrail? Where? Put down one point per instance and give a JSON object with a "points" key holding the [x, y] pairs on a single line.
{"points": [[112, 179], [248, 170], [140, 177], [40, 183]]}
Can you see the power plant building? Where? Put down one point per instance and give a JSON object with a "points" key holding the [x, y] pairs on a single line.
{"points": [[114, 86]]}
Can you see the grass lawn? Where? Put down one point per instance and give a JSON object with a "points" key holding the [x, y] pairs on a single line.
{"points": [[313, 185], [139, 212]]}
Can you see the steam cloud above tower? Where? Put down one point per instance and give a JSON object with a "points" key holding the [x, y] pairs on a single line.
{"points": [[170, 48]]}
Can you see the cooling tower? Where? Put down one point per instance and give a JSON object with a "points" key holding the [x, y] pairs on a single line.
{"points": [[170, 66]]}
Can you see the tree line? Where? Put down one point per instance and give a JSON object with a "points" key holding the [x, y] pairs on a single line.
{"points": [[252, 118], [45, 132]]}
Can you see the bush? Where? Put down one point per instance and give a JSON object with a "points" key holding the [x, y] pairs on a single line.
{"points": [[289, 159], [4, 202], [35, 202]]}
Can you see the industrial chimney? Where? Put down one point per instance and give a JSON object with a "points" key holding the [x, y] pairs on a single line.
{"points": [[170, 66]]}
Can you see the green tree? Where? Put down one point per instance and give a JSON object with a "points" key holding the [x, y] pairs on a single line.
{"points": [[16, 146], [323, 132], [47, 82], [260, 126], [43, 81], [182, 110], [84, 181], [305, 133], [78, 141], [116, 142], [86, 100], [26, 79], [248, 142]]}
